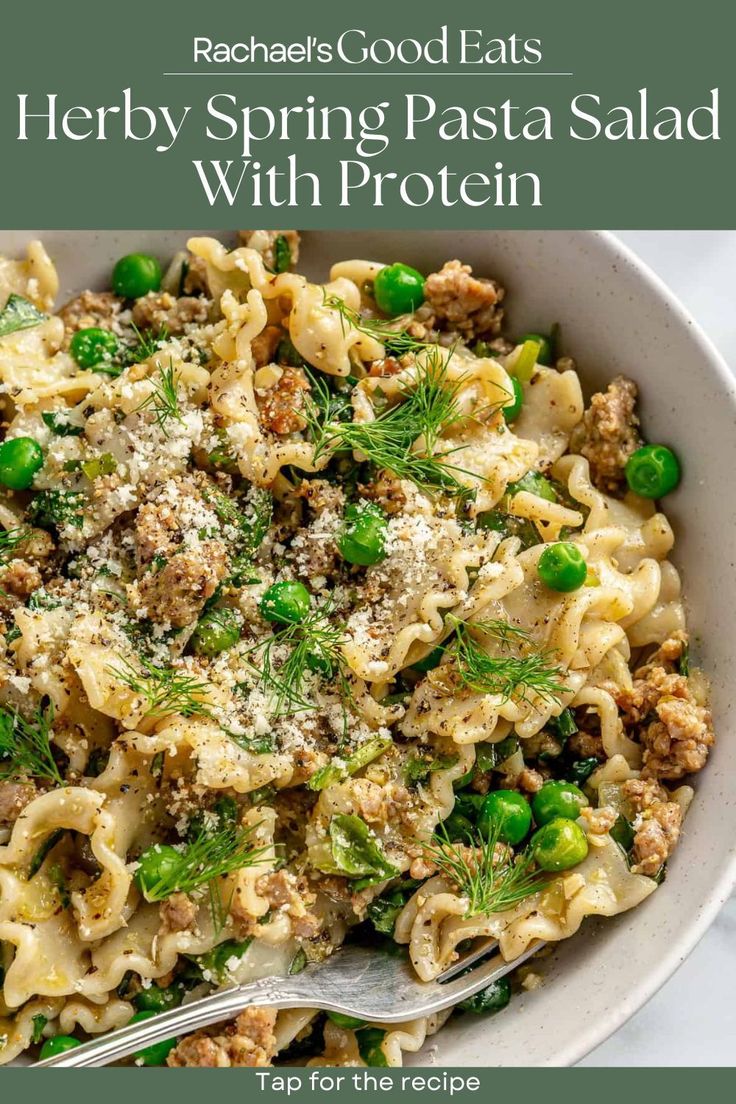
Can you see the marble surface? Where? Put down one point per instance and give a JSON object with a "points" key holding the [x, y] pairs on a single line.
{"points": [[691, 1021]]}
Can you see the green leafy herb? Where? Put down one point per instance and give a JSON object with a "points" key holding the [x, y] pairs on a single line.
{"points": [[281, 254], [59, 424], [164, 689], [208, 856], [221, 456], [490, 877], [25, 746], [42, 600], [19, 314], [580, 771], [360, 758], [163, 400], [314, 645], [46, 847], [683, 664], [251, 522], [563, 726], [384, 910], [356, 852], [388, 332], [369, 1045], [510, 677], [57, 509], [39, 1023], [490, 756], [428, 410], [217, 964], [10, 541], [286, 353], [419, 767], [147, 343], [622, 833], [509, 526], [533, 483]]}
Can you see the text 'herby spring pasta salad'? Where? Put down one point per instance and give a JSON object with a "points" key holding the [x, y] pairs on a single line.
{"points": [[326, 612]]}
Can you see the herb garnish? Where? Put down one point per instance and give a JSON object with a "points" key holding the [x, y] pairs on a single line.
{"points": [[397, 340], [509, 676], [429, 408], [10, 540], [489, 881], [315, 646], [19, 314], [25, 747], [207, 857], [165, 690], [163, 400]]}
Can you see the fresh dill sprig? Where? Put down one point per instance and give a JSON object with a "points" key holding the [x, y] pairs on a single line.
{"points": [[402, 438], [10, 539], [487, 875], [314, 646], [511, 677], [207, 857], [384, 330], [147, 343], [165, 690], [25, 746], [163, 400]]}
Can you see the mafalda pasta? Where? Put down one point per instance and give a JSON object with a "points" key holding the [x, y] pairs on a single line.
{"points": [[326, 612]]}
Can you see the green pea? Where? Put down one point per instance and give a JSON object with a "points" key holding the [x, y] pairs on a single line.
{"points": [[559, 845], [20, 459], [398, 289], [158, 862], [506, 812], [430, 661], [216, 631], [653, 471], [544, 356], [136, 274], [363, 536], [57, 1045], [562, 567], [490, 1000], [350, 1022], [557, 799], [93, 347], [156, 999], [286, 602], [156, 1054], [512, 410]]}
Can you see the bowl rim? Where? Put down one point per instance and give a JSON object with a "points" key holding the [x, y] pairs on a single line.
{"points": [[677, 951]]}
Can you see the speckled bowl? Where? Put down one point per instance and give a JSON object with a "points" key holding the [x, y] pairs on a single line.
{"points": [[616, 316]]}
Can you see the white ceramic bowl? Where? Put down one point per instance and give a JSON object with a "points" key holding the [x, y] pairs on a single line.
{"points": [[616, 316]]}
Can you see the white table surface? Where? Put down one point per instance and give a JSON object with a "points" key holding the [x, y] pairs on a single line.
{"points": [[691, 1021]]}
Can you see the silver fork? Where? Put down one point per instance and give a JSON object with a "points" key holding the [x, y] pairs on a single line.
{"points": [[371, 984]]}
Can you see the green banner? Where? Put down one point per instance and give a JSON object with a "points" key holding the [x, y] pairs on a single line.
{"points": [[537, 114]]}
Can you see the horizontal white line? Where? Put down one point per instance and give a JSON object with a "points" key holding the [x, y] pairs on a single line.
{"points": [[373, 73]]}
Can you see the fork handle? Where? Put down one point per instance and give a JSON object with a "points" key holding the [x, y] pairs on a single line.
{"points": [[274, 992]]}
